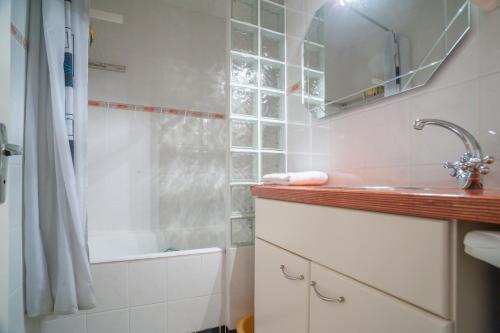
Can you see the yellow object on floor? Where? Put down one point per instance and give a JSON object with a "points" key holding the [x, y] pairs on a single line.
{"points": [[245, 325]]}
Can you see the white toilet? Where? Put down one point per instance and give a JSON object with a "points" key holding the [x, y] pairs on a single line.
{"points": [[484, 245]]}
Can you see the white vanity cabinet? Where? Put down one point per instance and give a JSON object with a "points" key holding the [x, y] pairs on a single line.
{"points": [[353, 271], [281, 290], [295, 295]]}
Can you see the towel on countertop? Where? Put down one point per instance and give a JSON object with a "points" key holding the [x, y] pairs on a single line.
{"points": [[296, 178]]}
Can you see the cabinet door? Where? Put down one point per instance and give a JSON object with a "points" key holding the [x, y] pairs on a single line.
{"points": [[351, 307], [281, 290]]}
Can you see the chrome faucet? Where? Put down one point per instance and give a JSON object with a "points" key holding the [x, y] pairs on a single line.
{"points": [[471, 167]]}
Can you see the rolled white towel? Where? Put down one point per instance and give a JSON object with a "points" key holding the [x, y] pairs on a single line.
{"points": [[296, 178]]}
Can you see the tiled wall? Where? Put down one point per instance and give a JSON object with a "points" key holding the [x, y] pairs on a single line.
{"points": [[169, 295], [157, 151], [240, 284], [377, 143], [160, 172]]}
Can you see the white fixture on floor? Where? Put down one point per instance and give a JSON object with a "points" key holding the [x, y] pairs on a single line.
{"points": [[484, 245]]}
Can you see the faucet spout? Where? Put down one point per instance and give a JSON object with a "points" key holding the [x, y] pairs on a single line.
{"points": [[472, 165], [471, 145]]}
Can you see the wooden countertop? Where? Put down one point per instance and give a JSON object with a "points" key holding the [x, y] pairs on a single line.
{"points": [[444, 204]]}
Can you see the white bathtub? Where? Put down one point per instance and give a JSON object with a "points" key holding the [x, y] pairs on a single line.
{"points": [[134, 245], [136, 284]]}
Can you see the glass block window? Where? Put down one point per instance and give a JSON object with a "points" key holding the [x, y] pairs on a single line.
{"points": [[244, 133], [245, 10], [244, 101], [244, 38], [272, 45], [272, 136], [272, 16], [258, 106], [272, 105]]}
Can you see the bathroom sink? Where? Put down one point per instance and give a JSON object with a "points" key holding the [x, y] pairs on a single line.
{"points": [[379, 188]]}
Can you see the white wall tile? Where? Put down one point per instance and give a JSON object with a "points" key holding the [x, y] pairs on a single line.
{"points": [[212, 269], [387, 176], [432, 175], [293, 76], [110, 284], [489, 25], [349, 177], [297, 112], [299, 138], [320, 140], [489, 125], [350, 142], [298, 162], [195, 314], [147, 281], [294, 50], [184, 277], [108, 322], [192, 276], [240, 283], [298, 5], [387, 145], [295, 21], [71, 324], [148, 319], [458, 104], [320, 162]]}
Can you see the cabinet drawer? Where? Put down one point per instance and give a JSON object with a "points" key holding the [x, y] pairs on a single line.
{"points": [[403, 256], [281, 304], [364, 310]]}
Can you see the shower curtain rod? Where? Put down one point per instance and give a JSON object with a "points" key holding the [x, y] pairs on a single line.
{"points": [[368, 18]]}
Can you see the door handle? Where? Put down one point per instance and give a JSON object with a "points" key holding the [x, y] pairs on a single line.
{"points": [[288, 276], [10, 149], [6, 150], [322, 297]]}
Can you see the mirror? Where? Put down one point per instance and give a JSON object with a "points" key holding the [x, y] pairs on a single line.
{"points": [[356, 52]]}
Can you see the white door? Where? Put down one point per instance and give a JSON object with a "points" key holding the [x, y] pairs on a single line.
{"points": [[340, 304], [4, 118], [12, 90], [281, 290]]}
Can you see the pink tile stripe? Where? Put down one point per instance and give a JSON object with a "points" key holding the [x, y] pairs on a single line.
{"points": [[18, 36], [155, 109]]}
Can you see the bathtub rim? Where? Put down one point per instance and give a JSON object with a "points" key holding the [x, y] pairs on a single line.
{"points": [[155, 255]]}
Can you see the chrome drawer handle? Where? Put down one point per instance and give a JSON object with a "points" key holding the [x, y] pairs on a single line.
{"points": [[340, 299], [289, 277]]}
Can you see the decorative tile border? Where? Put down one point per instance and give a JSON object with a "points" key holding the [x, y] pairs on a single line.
{"points": [[18, 36], [155, 109]]}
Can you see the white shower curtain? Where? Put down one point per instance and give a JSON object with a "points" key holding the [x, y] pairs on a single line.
{"points": [[57, 270]]}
